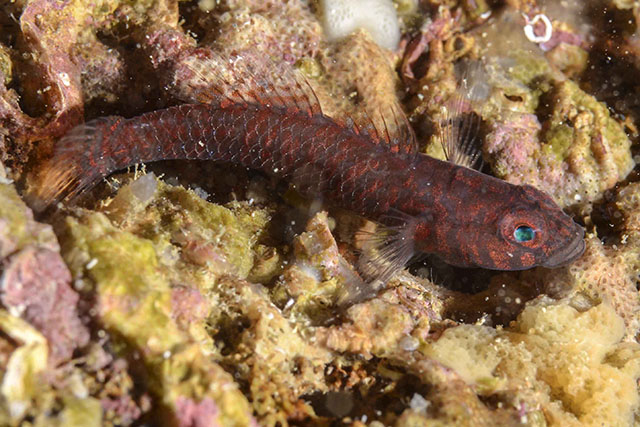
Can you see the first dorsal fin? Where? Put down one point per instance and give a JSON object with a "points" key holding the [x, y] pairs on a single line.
{"points": [[246, 77], [458, 133]]}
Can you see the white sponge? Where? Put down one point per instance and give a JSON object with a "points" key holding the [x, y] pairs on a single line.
{"points": [[378, 17]]}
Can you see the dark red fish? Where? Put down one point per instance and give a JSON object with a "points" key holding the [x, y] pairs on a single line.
{"points": [[465, 217]]}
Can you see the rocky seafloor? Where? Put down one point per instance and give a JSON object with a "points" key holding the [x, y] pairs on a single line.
{"points": [[199, 294]]}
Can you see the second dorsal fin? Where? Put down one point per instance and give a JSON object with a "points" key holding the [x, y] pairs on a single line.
{"points": [[389, 129], [251, 78], [246, 77]]}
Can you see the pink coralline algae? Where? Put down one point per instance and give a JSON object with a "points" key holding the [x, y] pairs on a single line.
{"points": [[36, 286]]}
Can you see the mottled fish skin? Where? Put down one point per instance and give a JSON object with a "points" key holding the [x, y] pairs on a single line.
{"points": [[465, 217]]}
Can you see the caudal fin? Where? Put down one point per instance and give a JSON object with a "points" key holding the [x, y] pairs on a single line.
{"points": [[77, 164]]}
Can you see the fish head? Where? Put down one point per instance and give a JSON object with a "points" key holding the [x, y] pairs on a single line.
{"points": [[516, 228], [534, 231]]}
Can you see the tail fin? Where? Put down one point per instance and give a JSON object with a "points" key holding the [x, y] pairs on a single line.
{"points": [[77, 163]]}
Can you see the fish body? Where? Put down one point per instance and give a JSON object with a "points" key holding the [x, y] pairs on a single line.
{"points": [[467, 218]]}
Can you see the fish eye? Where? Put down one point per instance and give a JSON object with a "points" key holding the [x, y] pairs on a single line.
{"points": [[524, 233]]}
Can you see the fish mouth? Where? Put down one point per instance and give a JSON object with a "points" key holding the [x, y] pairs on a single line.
{"points": [[569, 253]]}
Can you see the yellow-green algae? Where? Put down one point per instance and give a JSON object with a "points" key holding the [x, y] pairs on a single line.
{"points": [[126, 273], [21, 383], [190, 233], [5, 65], [17, 227], [77, 412], [134, 294], [24, 390]]}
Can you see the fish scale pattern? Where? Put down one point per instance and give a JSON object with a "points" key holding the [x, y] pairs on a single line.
{"points": [[320, 156]]}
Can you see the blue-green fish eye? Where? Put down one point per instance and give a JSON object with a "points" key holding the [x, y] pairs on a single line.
{"points": [[524, 233]]}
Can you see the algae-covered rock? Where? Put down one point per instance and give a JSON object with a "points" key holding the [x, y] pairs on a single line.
{"points": [[35, 284], [40, 316], [135, 301], [570, 364], [17, 226], [554, 135], [124, 271], [539, 127]]}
